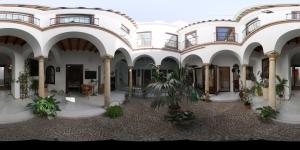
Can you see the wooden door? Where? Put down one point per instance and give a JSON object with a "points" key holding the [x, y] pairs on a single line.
{"points": [[74, 77], [224, 79], [213, 79]]}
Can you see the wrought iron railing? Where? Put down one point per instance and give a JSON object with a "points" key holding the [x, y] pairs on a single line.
{"points": [[226, 37], [190, 42], [253, 26], [74, 20], [144, 43], [27, 18], [171, 44], [293, 16]]}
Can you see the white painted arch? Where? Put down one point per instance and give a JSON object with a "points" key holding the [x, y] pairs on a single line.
{"points": [[31, 35]]}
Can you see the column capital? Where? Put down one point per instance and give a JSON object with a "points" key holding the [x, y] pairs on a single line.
{"points": [[206, 64], [130, 67], [39, 57], [245, 65], [272, 54], [108, 57]]}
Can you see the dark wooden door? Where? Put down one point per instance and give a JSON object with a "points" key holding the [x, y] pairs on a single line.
{"points": [[74, 77], [224, 79], [213, 79]]}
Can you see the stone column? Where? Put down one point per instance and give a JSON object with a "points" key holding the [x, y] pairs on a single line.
{"points": [[107, 98], [272, 79], [244, 75], [206, 77], [41, 77], [130, 86]]}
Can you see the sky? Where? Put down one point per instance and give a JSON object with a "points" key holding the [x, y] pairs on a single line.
{"points": [[162, 10]]}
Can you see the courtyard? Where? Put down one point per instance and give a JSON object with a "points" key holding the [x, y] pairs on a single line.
{"points": [[214, 122]]}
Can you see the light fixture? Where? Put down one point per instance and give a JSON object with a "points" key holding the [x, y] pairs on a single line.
{"points": [[267, 11]]}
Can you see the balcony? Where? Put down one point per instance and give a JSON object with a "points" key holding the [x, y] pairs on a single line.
{"points": [[171, 44], [144, 43], [293, 16], [226, 37], [190, 42], [74, 20], [19, 17], [251, 27]]}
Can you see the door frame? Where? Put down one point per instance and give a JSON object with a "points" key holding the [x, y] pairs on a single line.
{"points": [[82, 78], [224, 67], [3, 74], [294, 87]]}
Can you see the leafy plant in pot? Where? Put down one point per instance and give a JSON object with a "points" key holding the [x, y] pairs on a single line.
{"points": [[266, 113], [178, 87], [246, 97], [280, 86], [45, 107]]}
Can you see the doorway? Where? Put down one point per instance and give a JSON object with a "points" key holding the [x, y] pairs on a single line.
{"points": [[295, 78], [74, 78], [224, 79], [213, 79], [2, 68]]}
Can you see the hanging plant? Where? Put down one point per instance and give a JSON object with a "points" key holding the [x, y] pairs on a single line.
{"points": [[23, 79]]}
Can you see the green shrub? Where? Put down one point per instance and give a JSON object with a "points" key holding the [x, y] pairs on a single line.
{"points": [[114, 111], [267, 112], [45, 107], [180, 117]]}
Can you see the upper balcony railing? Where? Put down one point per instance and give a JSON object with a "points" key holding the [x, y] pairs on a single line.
{"points": [[226, 37], [74, 20], [173, 44], [293, 16], [250, 28], [144, 43], [27, 18]]}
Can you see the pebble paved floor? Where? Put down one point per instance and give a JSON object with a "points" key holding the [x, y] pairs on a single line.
{"points": [[215, 122]]}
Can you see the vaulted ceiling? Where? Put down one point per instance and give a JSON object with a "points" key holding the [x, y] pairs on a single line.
{"points": [[76, 44], [295, 41], [12, 40]]}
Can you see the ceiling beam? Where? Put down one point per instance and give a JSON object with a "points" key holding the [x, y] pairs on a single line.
{"points": [[78, 43], [70, 44], [85, 45], [15, 41], [6, 40], [23, 42], [62, 45]]}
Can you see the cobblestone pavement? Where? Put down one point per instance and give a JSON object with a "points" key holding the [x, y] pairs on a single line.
{"points": [[214, 122]]}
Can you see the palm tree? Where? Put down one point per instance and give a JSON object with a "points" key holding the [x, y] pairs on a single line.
{"points": [[176, 85], [282, 83]]}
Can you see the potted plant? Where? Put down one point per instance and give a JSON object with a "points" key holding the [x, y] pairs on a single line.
{"points": [[45, 107], [178, 87], [265, 84], [266, 113], [246, 97], [280, 86]]}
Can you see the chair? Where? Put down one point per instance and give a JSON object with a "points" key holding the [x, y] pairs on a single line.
{"points": [[86, 90]]}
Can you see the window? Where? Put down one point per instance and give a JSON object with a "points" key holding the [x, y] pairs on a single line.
{"points": [[265, 68], [190, 39], [249, 73], [172, 40], [17, 16], [225, 34], [252, 26], [144, 39], [50, 75], [74, 18], [296, 15], [125, 29]]}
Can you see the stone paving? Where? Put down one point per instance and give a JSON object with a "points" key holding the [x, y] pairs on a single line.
{"points": [[214, 122]]}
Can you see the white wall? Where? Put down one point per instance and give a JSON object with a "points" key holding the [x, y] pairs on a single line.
{"points": [[90, 61]]}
